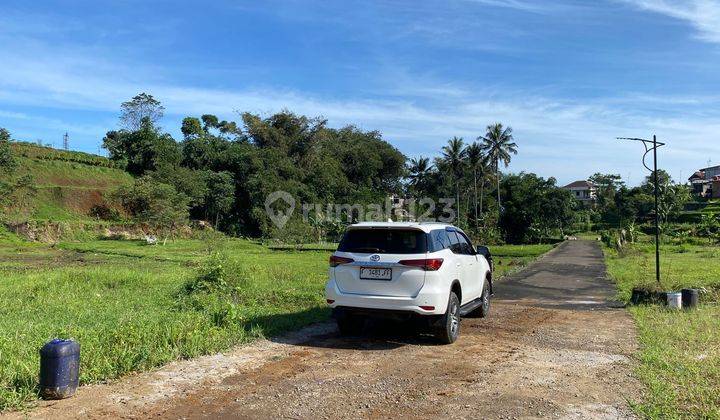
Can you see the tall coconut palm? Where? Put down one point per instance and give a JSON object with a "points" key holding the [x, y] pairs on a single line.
{"points": [[475, 161], [498, 144], [454, 156], [419, 172]]}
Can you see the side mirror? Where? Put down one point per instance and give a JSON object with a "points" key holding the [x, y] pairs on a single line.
{"points": [[483, 250]]}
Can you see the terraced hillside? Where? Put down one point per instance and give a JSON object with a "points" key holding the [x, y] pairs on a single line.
{"points": [[69, 183]]}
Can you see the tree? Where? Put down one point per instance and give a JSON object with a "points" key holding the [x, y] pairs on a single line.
{"points": [[142, 150], [498, 144], [454, 156], [220, 194], [7, 161], [190, 182], [156, 204], [664, 178], [535, 208], [140, 107], [607, 185], [475, 159], [419, 171], [671, 201]]}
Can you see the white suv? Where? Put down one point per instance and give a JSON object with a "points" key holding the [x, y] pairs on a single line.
{"points": [[426, 271]]}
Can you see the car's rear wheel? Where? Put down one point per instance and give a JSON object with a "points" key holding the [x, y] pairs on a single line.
{"points": [[449, 327], [349, 323], [484, 309]]}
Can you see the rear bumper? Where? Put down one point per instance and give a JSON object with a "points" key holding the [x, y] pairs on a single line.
{"points": [[436, 296]]}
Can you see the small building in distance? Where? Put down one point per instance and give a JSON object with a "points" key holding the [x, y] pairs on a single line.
{"points": [[706, 182], [583, 191]]}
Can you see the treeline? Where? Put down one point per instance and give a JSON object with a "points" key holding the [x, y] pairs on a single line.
{"points": [[633, 208], [493, 207], [222, 171]]}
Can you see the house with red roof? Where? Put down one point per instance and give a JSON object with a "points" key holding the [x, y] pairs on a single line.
{"points": [[706, 182]]}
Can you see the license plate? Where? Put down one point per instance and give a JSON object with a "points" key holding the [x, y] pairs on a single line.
{"points": [[372, 273]]}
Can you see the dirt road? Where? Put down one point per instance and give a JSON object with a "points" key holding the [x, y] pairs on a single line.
{"points": [[554, 346]]}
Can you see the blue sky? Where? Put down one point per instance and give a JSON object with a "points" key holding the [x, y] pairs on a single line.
{"points": [[568, 76]]}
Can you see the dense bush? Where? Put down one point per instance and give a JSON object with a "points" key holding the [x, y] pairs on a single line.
{"points": [[7, 160], [156, 204]]}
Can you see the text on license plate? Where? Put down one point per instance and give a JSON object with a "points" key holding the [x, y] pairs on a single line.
{"points": [[372, 273]]}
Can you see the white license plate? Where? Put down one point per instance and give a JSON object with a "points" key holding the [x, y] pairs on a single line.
{"points": [[371, 273]]}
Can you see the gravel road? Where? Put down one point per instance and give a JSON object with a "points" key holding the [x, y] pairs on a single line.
{"points": [[554, 346]]}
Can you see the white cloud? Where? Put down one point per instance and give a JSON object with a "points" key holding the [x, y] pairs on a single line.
{"points": [[703, 15], [558, 137], [562, 138]]}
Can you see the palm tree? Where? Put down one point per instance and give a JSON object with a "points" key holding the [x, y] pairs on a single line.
{"points": [[454, 155], [419, 172], [475, 160], [497, 145]]}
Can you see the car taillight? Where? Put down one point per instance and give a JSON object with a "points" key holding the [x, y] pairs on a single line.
{"points": [[432, 264], [335, 260]]}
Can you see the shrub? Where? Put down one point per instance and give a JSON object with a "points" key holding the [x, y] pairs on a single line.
{"points": [[156, 204], [7, 160], [104, 212]]}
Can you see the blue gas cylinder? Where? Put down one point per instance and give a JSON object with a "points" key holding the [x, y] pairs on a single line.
{"points": [[59, 369]]}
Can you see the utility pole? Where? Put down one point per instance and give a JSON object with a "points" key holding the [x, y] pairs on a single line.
{"points": [[657, 216], [66, 141], [655, 144]]}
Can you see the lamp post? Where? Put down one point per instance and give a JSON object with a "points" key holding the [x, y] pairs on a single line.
{"points": [[652, 145]]}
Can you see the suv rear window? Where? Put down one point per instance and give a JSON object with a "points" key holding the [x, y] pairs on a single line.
{"points": [[386, 241]]}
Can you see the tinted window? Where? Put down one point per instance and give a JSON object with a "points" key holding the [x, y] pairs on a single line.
{"points": [[387, 241], [454, 242], [465, 246], [439, 240]]}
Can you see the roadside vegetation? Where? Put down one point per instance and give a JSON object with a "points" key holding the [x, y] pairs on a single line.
{"points": [[679, 359], [134, 306], [221, 172]]}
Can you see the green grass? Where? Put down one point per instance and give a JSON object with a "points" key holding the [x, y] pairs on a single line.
{"points": [[130, 313], [680, 351], [679, 362], [685, 265], [66, 190], [511, 258], [134, 306], [73, 174]]}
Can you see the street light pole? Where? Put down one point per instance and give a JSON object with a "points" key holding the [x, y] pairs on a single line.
{"points": [[657, 215], [655, 145]]}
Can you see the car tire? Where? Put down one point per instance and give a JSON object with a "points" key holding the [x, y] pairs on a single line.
{"points": [[484, 309], [349, 324], [449, 328]]}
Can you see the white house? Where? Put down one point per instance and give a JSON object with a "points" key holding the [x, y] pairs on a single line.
{"points": [[583, 191]]}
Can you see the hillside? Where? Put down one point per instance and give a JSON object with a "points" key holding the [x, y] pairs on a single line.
{"points": [[69, 183]]}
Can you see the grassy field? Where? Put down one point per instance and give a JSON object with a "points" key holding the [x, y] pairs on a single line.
{"points": [[134, 306], [680, 351], [68, 184]]}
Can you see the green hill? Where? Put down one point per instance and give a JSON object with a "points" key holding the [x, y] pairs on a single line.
{"points": [[68, 183]]}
